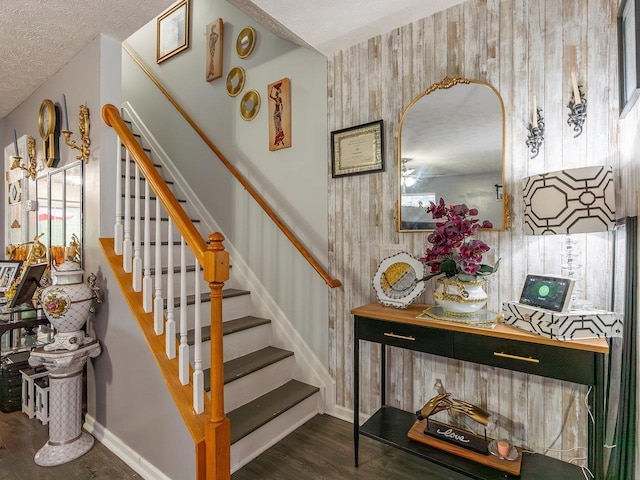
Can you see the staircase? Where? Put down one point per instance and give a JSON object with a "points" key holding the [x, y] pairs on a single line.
{"points": [[264, 398]]}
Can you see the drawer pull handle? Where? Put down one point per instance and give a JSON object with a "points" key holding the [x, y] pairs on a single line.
{"points": [[403, 337], [516, 357]]}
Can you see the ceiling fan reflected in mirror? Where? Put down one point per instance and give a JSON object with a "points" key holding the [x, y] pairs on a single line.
{"points": [[408, 175]]}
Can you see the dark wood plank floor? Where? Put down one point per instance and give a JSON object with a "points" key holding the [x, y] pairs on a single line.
{"points": [[21, 438], [320, 449], [323, 449]]}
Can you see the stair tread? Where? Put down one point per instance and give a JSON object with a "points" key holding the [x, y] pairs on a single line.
{"points": [[228, 327], [252, 362], [253, 415]]}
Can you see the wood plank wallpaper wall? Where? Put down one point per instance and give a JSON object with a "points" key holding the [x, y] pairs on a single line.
{"points": [[522, 48]]}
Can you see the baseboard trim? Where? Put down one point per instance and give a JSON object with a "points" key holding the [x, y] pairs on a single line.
{"points": [[122, 451]]}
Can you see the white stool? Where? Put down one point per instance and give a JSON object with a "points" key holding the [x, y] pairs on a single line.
{"points": [[29, 375]]}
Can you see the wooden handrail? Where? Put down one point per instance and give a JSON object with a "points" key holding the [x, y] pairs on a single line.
{"points": [[330, 281], [111, 117]]}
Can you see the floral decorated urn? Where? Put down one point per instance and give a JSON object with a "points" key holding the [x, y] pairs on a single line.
{"points": [[67, 304]]}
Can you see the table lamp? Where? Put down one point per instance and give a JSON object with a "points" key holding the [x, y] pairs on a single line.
{"points": [[566, 202]]}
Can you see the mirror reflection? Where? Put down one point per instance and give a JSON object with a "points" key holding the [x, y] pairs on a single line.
{"points": [[451, 146], [59, 213]]}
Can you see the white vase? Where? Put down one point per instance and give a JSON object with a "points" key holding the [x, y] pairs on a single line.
{"points": [[460, 298], [67, 305]]}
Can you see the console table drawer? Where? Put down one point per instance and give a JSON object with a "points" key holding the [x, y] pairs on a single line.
{"points": [[403, 335], [562, 363]]}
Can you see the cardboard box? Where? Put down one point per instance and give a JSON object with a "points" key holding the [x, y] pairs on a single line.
{"points": [[570, 325]]}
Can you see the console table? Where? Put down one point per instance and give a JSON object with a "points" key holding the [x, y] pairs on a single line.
{"points": [[578, 361]]}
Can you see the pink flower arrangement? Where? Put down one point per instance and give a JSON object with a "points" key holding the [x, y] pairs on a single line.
{"points": [[453, 252]]}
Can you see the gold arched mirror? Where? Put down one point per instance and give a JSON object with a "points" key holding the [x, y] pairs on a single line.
{"points": [[451, 145]]}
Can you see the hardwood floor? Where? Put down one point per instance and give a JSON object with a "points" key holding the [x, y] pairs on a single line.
{"points": [[21, 438], [323, 449], [320, 449]]}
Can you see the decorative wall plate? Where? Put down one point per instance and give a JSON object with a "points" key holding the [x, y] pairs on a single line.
{"points": [[398, 280], [250, 105], [235, 81], [245, 42]]}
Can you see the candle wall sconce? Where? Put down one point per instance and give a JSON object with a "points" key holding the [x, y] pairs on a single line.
{"points": [[536, 134], [83, 127], [577, 110], [32, 169]]}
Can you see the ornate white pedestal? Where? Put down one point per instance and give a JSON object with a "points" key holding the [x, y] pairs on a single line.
{"points": [[67, 441]]}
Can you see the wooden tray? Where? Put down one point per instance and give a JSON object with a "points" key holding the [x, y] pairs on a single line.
{"points": [[510, 466]]}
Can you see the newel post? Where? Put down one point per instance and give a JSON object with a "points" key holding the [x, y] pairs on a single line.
{"points": [[218, 429]]}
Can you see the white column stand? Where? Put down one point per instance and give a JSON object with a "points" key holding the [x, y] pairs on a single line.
{"points": [[67, 441]]}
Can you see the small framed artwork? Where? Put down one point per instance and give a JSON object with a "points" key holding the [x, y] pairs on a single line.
{"points": [[279, 114], [173, 31], [357, 150], [214, 50], [8, 271], [628, 54]]}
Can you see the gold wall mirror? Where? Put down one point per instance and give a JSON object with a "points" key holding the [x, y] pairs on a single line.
{"points": [[245, 42], [451, 145]]}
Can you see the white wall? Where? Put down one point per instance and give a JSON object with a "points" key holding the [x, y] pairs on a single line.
{"points": [[292, 180], [126, 394]]}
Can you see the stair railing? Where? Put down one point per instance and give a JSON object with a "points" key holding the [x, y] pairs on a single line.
{"points": [[211, 435], [328, 279]]}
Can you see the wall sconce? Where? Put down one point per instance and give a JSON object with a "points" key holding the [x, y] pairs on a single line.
{"points": [[83, 127], [498, 188], [577, 107], [536, 130], [31, 154]]}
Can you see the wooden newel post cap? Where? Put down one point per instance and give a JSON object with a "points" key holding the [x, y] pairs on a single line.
{"points": [[216, 267]]}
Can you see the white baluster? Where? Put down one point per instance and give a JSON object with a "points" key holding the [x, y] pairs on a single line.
{"points": [[171, 323], [137, 256], [126, 244], [147, 282], [118, 232], [184, 347], [158, 307], [198, 375]]}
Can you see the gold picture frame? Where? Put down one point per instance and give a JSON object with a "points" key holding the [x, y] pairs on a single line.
{"points": [[245, 42], [357, 150], [250, 105], [173, 31], [214, 50], [235, 81]]}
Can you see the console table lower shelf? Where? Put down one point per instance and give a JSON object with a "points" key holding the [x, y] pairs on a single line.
{"points": [[391, 426]]}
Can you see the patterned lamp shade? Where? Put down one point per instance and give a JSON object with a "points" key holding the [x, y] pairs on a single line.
{"points": [[580, 200]]}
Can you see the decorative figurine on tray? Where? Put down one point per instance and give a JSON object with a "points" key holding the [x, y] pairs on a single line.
{"points": [[449, 433]]}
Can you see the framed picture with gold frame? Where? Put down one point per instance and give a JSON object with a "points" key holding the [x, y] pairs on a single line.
{"points": [[173, 31], [357, 150]]}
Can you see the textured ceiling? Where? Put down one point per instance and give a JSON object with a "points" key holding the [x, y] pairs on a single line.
{"points": [[38, 37]]}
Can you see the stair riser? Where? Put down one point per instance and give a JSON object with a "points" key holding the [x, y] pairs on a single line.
{"points": [[232, 308], [256, 384], [249, 447], [246, 341], [237, 344]]}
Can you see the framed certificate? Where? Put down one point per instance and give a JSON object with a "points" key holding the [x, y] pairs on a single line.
{"points": [[357, 150]]}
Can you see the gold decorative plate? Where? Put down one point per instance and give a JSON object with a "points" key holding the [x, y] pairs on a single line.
{"points": [[245, 42], [235, 81], [250, 105]]}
